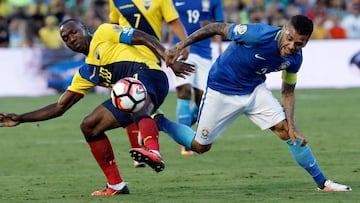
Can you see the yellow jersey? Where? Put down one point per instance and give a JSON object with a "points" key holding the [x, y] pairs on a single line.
{"points": [[109, 59], [145, 15]]}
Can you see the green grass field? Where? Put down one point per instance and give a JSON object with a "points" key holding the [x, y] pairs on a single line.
{"points": [[50, 161]]}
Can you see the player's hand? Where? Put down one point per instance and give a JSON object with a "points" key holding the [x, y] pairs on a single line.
{"points": [[295, 134], [182, 69], [8, 120], [184, 54], [172, 54]]}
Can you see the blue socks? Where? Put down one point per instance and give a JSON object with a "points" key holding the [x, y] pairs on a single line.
{"points": [[305, 158], [182, 134], [183, 112], [194, 113]]}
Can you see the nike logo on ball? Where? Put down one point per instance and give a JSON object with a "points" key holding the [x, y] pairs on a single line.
{"points": [[139, 91], [259, 57]]}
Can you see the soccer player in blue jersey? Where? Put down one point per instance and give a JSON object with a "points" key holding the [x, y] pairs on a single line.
{"points": [[236, 86], [194, 15], [109, 57]]}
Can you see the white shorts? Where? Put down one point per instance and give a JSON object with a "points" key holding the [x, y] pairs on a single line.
{"points": [[197, 80], [218, 111]]}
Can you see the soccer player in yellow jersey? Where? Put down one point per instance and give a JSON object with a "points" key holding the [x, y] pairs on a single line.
{"points": [[148, 16], [108, 59]]}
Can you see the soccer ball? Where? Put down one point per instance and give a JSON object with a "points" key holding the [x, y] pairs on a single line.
{"points": [[128, 95]]}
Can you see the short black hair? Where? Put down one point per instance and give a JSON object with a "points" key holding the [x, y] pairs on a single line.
{"points": [[302, 24], [72, 20]]}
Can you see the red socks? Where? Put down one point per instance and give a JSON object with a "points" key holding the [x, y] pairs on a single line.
{"points": [[132, 133], [104, 156], [103, 153], [149, 133]]}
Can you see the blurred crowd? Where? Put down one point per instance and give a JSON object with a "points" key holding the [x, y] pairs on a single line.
{"points": [[333, 19], [33, 23]]}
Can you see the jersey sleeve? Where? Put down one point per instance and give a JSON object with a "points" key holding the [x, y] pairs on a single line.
{"points": [[296, 63], [115, 33], [80, 85], [247, 34], [289, 75], [168, 10]]}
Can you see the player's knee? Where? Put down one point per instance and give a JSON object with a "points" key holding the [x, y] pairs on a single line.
{"points": [[281, 130], [86, 128], [184, 91], [198, 148]]}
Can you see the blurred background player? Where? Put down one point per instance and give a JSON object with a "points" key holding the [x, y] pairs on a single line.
{"points": [[147, 16], [194, 15], [53, 49]]}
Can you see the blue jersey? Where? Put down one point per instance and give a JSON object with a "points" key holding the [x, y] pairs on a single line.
{"points": [[192, 13], [252, 54]]}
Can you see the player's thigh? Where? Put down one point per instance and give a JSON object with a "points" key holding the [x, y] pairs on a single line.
{"points": [[98, 121], [217, 111], [113, 117], [156, 84], [203, 66], [264, 109]]}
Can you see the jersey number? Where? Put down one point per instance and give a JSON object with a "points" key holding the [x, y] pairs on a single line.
{"points": [[137, 21], [193, 16], [106, 76]]}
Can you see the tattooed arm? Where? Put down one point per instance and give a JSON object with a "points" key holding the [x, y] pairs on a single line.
{"points": [[207, 31], [180, 69]]}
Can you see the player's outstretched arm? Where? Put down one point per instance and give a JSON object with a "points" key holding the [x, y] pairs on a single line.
{"points": [[50, 111], [207, 31], [180, 69]]}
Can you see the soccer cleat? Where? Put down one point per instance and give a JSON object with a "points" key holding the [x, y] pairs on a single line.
{"points": [[148, 157], [139, 164], [109, 191], [185, 152], [331, 186]]}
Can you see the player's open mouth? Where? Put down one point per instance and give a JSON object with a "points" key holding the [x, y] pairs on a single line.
{"points": [[286, 51]]}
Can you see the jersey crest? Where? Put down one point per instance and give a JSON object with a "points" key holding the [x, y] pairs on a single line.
{"points": [[147, 4], [205, 5], [284, 65], [127, 8], [240, 29], [117, 28]]}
